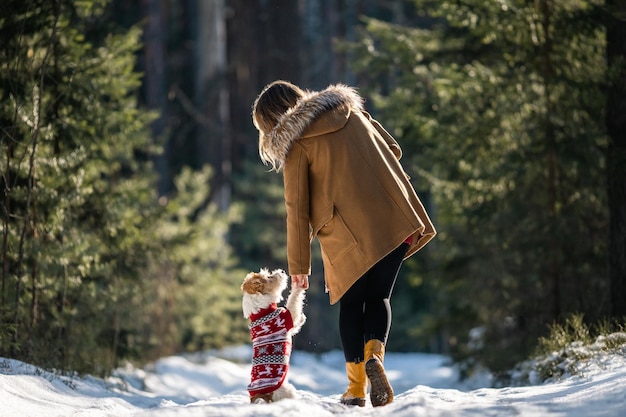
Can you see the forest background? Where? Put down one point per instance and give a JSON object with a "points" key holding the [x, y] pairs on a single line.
{"points": [[134, 201]]}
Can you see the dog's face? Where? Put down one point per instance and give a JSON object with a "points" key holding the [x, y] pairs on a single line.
{"points": [[264, 282]]}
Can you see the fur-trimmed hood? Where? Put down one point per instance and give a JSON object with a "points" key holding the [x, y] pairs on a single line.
{"points": [[274, 146]]}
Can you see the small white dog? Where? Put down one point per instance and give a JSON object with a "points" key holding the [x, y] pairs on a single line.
{"points": [[271, 331]]}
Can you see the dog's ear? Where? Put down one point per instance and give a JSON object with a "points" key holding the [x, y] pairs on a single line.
{"points": [[253, 283]]}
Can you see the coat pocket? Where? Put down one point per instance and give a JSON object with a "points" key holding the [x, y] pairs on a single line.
{"points": [[335, 237]]}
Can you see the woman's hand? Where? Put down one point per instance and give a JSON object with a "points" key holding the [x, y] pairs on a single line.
{"points": [[301, 281]]}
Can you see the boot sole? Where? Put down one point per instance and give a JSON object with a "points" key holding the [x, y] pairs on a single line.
{"points": [[381, 392], [353, 401]]}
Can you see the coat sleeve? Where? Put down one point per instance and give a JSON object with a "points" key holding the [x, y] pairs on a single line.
{"points": [[296, 180], [391, 142]]}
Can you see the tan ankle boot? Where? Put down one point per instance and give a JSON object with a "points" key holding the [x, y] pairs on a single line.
{"points": [[357, 384], [381, 392]]}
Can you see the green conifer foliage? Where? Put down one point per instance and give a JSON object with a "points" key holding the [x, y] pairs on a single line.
{"points": [[84, 242], [76, 200], [499, 107]]}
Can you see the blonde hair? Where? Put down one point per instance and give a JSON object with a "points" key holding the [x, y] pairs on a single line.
{"points": [[270, 105]]}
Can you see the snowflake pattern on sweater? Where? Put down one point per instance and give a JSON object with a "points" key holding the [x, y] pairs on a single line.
{"points": [[271, 342]]}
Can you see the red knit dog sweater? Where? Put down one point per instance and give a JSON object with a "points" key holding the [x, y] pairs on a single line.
{"points": [[272, 347]]}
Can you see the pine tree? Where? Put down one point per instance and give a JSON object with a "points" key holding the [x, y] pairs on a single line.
{"points": [[499, 107], [77, 193]]}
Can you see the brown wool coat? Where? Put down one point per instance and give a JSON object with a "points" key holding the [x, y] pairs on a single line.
{"points": [[344, 185]]}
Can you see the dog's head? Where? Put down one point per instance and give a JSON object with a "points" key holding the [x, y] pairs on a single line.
{"points": [[260, 289]]}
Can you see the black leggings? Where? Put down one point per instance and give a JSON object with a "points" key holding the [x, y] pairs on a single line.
{"points": [[365, 310]]}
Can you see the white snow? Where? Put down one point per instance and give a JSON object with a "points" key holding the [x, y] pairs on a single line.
{"points": [[214, 384]]}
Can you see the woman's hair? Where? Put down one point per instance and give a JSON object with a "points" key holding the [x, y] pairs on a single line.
{"points": [[271, 104], [273, 101]]}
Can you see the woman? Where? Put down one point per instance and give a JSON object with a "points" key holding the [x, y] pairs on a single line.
{"points": [[344, 185]]}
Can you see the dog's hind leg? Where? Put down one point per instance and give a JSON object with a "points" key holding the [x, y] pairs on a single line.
{"points": [[286, 390]]}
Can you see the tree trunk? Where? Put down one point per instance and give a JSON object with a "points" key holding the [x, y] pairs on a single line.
{"points": [[155, 81], [212, 100], [616, 154], [244, 57]]}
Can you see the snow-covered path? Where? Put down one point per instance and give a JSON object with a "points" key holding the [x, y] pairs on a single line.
{"points": [[208, 385]]}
